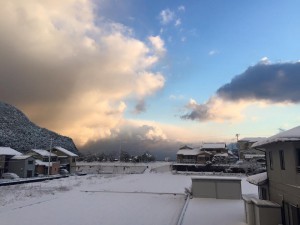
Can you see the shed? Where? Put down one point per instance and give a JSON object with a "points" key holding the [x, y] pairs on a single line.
{"points": [[217, 187]]}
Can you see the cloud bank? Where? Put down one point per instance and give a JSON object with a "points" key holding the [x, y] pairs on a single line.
{"points": [[264, 83], [71, 70]]}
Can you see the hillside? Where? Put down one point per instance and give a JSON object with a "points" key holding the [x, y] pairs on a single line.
{"points": [[19, 133]]}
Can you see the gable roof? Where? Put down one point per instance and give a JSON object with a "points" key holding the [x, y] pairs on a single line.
{"points": [[252, 139], [43, 152], [188, 152], [213, 145], [65, 151], [289, 135], [8, 151], [185, 147], [20, 157]]}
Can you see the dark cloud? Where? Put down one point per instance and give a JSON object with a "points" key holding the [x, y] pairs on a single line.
{"points": [[272, 82], [140, 107], [199, 112]]}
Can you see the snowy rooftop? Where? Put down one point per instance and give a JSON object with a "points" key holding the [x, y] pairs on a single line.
{"points": [[65, 151], [252, 139], [20, 157], [258, 179], [186, 147], [251, 156], [188, 152], [221, 155], [215, 178], [43, 152], [8, 151], [289, 135], [213, 145], [41, 163]]}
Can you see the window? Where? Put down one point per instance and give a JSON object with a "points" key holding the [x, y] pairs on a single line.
{"points": [[298, 159], [281, 157], [271, 160], [30, 162]]}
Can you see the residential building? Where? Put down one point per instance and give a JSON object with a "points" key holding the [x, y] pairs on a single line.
{"points": [[188, 155], [245, 147], [214, 148], [66, 158], [45, 160], [6, 153], [283, 173], [22, 165]]}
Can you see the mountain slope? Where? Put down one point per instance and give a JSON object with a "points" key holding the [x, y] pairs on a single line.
{"points": [[19, 133]]}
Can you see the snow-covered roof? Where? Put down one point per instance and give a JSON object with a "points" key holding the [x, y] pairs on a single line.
{"points": [[185, 147], [188, 152], [65, 151], [205, 152], [213, 145], [252, 139], [41, 163], [8, 151], [221, 155], [258, 179], [289, 135], [20, 157], [251, 156], [43, 152], [215, 178]]}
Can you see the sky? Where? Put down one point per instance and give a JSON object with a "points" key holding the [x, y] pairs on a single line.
{"points": [[157, 73]]}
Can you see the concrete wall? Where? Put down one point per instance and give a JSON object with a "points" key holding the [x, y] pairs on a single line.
{"points": [[216, 187], [261, 212]]}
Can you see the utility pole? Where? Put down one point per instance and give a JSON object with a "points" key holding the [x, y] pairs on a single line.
{"points": [[49, 158], [237, 139]]}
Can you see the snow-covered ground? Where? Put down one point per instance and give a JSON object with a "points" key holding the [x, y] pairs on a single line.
{"points": [[126, 199]]}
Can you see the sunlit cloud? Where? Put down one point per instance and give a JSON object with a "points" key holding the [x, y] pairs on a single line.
{"points": [[261, 85], [70, 74]]}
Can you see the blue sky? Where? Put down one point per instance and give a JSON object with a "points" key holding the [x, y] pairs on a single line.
{"points": [[188, 71]]}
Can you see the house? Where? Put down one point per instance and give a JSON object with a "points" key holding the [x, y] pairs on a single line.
{"points": [[188, 155], [283, 173], [214, 148], [45, 162], [245, 147], [22, 165], [66, 158], [6, 153], [201, 155]]}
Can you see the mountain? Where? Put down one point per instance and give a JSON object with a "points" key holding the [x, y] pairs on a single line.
{"points": [[19, 133]]}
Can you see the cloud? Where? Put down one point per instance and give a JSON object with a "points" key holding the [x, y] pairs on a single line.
{"points": [[69, 73], [181, 8], [177, 22], [158, 44], [215, 109], [260, 85], [166, 16], [212, 52], [140, 107], [275, 83]]}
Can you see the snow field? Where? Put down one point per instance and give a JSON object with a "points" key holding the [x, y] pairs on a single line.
{"points": [[124, 199]]}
